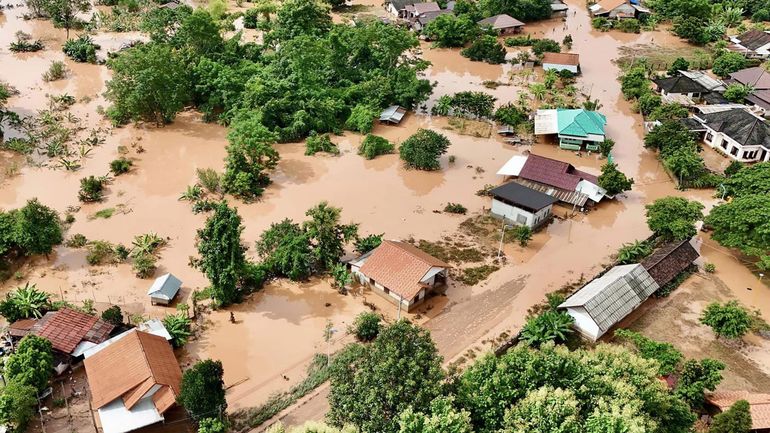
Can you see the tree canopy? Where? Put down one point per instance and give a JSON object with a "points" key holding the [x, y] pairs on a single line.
{"points": [[203, 390], [743, 224], [423, 149], [613, 180], [31, 364], [729, 320], [737, 419], [222, 254], [674, 218]]}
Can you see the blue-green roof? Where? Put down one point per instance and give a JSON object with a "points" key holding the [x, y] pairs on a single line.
{"points": [[580, 123]]}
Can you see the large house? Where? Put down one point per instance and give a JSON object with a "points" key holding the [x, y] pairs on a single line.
{"points": [[400, 272], [502, 24], [737, 133], [759, 406], [758, 79], [134, 380], [607, 300], [561, 62], [521, 205], [690, 88], [575, 128], [556, 178], [753, 43]]}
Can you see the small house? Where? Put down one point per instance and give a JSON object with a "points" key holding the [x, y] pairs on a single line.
{"points": [[670, 260], [759, 406], [561, 62], [134, 381], [753, 43], [616, 9], [393, 114], [680, 89], [607, 300], [575, 128], [426, 18], [558, 8], [521, 205], [738, 134], [758, 79], [398, 7], [401, 273], [412, 11], [502, 24], [164, 289]]}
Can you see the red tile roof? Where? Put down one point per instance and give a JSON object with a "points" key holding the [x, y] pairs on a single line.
{"points": [[130, 367], [562, 58], [399, 267], [760, 405], [66, 328], [554, 173]]}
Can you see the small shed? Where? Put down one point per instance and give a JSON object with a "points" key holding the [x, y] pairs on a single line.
{"points": [[164, 289], [562, 62], [503, 24], [670, 260], [521, 205], [393, 114]]}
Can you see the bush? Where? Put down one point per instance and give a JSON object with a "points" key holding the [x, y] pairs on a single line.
{"points": [[25, 46], [82, 49], [76, 241], [551, 325], [523, 234], [91, 189], [251, 18], [320, 143], [520, 41], [366, 327], [144, 265], [729, 320], [761, 15], [113, 315], [486, 49], [361, 119], [374, 146], [209, 179], [727, 63], [629, 25], [510, 115], [456, 208], [423, 149], [601, 23], [56, 71], [542, 46], [710, 268], [100, 253], [120, 166], [178, 326], [666, 354]]}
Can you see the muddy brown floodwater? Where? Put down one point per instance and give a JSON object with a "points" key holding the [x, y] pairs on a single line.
{"points": [[279, 329]]}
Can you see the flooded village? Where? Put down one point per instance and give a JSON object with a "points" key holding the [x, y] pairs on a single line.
{"points": [[608, 194]]}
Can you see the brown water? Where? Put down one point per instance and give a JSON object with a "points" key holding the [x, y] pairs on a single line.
{"points": [[279, 329]]}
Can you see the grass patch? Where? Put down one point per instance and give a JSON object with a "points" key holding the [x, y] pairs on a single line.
{"points": [[474, 128], [660, 58], [477, 274], [450, 251], [104, 213]]}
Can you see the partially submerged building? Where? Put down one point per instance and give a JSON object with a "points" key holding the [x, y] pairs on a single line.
{"points": [[521, 205], [670, 260], [393, 114], [753, 44], [164, 289], [561, 62], [503, 24], [134, 380], [758, 80], [738, 134], [575, 128], [607, 300], [759, 406], [401, 273], [618, 9]]}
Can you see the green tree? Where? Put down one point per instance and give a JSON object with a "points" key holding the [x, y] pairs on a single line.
{"points": [[64, 13], [250, 154], [613, 180], [199, 34], [510, 114], [473, 104], [691, 28], [548, 326], [179, 327], [668, 136], [150, 82], [361, 118], [748, 180], [737, 92], [485, 49], [727, 63], [545, 410], [729, 320], [328, 235], [685, 163], [542, 46], [404, 357], [37, 228], [17, 405], [442, 417], [680, 64], [525, 10], [368, 243], [674, 218], [25, 303], [373, 146], [211, 425], [423, 149], [697, 377], [285, 248], [366, 326], [737, 419], [32, 362], [648, 102], [666, 354], [634, 82], [203, 390], [222, 254], [743, 224], [301, 17], [113, 315], [450, 30], [668, 112]]}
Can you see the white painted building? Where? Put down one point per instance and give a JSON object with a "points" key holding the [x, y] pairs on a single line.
{"points": [[521, 205], [737, 134]]}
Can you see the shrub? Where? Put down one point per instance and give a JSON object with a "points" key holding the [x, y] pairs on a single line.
{"points": [[728, 63], [99, 253], [710, 268], [366, 326], [361, 118], [144, 265], [368, 243], [251, 18], [486, 49], [76, 241], [601, 23], [510, 115], [374, 146], [91, 189], [25, 46], [549, 326], [729, 320], [520, 41], [542, 46], [629, 25], [82, 49], [666, 354], [523, 234], [320, 143], [423, 149], [120, 166], [56, 71], [633, 252], [761, 16], [113, 315], [209, 179], [178, 326], [456, 208]]}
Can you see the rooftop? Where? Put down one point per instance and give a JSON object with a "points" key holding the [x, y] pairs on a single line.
{"points": [[756, 77], [400, 267], [668, 261], [526, 197], [760, 405], [753, 39], [554, 173], [580, 123], [740, 125], [165, 287], [608, 5], [502, 21], [680, 84], [421, 8], [66, 328], [571, 59]]}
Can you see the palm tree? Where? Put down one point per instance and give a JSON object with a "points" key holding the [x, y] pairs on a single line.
{"points": [[146, 244]]}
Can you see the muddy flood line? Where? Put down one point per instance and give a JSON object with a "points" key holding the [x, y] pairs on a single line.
{"points": [[279, 329]]}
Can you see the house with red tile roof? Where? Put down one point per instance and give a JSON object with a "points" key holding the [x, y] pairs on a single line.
{"points": [[401, 273], [759, 406], [72, 332], [134, 380]]}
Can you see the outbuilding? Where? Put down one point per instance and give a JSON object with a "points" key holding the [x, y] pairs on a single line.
{"points": [[521, 205], [561, 62], [164, 289], [503, 24], [393, 114]]}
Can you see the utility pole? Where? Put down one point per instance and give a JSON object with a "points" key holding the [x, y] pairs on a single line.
{"points": [[502, 236]]}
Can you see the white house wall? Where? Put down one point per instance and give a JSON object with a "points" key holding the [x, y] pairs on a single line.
{"points": [[733, 149], [512, 213], [584, 323], [558, 67]]}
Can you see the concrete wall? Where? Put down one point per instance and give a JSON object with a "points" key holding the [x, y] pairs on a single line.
{"points": [[584, 323], [732, 148], [557, 67], [520, 216]]}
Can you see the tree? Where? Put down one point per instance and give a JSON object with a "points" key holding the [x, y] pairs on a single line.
{"points": [[423, 149], [691, 28], [674, 218], [485, 49], [32, 362], [648, 102], [668, 136], [737, 92], [727, 320], [222, 254], [178, 326], [113, 315], [366, 326], [441, 417], [17, 405], [361, 118], [285, 248], [680, 64], [748, 180], [727, 63], [634, 82], [472, 104], [250, 153], [301, 17], [450, 30], [743, 224], [548, 326], [203, 390], [150, 82], [328, 235], [198, 33], [613, 180], [668, 112], [685, 163], [666, 354], [737, 419], [524, 10], [25, 303], [37, 228], [695, 378], [211, 425], [64, 13], [542, 46], [373, 146], [368, 243], [510, 114], [545, 410], [404, 357]]}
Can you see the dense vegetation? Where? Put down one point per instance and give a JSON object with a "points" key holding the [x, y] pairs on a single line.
{"points": [[30, 230], [203, 390]]}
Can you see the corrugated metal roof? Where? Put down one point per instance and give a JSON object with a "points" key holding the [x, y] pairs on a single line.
{"points": [[580, 123], [571, 59], [518, 194], [165, 287]]}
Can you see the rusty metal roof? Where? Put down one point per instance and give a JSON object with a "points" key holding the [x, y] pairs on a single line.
{"points": [[400, 267], [668, 261], [554, 173], [571, 59]]}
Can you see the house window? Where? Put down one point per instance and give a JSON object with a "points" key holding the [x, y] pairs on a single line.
{"points": [[709, 136], [750, 154], [371, 280], [724, 144], [734, 151], [386, 290]]}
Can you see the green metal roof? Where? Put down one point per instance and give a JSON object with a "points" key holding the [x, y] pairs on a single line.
{"points": [[580, 123]]}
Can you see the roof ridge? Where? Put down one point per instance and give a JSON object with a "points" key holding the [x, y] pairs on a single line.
{"points": [[144, 355]]}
